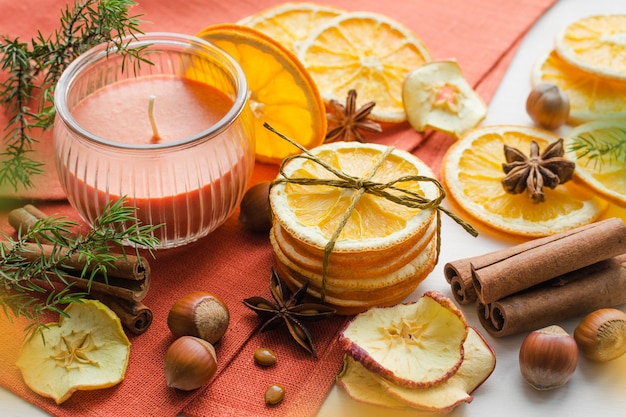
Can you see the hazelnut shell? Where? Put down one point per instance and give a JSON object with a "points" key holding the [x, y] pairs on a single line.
{"points": [[601, 335], [200, 314], [189, 363], [255, 212], [548, 106], [548, 358]]}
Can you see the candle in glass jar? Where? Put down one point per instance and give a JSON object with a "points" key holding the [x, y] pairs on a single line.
{"points": [[179, 201], [190, 178]]}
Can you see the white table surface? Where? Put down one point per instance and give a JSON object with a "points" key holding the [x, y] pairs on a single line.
{"points": [[595, 389]]}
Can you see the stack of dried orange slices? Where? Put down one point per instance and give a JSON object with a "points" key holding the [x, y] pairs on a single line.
{"points": [[377, 250], [587, 63]]}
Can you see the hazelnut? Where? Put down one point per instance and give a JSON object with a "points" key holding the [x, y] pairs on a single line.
{"points": [[601, 335], [255, 212], [189, 363], [548, 358], [548, 106], [200, 314]]}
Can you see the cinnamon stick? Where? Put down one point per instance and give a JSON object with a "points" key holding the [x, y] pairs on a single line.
{"points": [[544, 260], [127, 281], [459, 273], [599, 285], [24, 218], [128, 278], [134, 315]]}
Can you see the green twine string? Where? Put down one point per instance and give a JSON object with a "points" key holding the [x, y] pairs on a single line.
{"points": [[387, 190]]}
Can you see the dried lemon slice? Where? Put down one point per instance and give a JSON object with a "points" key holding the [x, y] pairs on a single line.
{"points": [[437, 96], [591, 96], [413, 345], [596, 44], [85, 350], [590, 145], [367, 52]]}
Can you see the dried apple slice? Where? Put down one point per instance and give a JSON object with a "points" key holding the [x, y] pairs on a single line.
{"points": [[437, 96], [413, 345], [477, 366], [361, 385], [86, 350]]}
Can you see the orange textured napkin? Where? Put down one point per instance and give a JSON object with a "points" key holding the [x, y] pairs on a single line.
{"points": [[233, 263]]}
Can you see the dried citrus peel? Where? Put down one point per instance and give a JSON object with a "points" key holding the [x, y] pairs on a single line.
{"points": [[86, 350]]}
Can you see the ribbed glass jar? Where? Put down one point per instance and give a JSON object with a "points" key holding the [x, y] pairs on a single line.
{"points": [[191, 184]]}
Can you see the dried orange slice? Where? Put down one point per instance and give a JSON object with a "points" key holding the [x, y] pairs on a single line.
{"points": [[437, 96], [281, 92], [291, 23], [472, 173], [86, 350], [596, 44], [368, 52], [599, 150], [591, 96]]}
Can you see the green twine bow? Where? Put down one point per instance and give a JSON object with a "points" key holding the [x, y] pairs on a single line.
{"points": [[362, 186]]}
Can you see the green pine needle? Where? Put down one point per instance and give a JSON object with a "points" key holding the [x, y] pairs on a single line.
{"points": [[38, 65], [611, 149], [26, 289]]}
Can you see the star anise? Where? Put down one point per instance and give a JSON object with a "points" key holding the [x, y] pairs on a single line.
{"points": [[348, 121], [289, 309], [532, 173]]}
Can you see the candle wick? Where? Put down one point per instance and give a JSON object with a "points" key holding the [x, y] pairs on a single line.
{"points": [[155, 131]]}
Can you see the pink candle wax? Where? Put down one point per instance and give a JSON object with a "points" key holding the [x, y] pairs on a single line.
{"points": [[182, 108], [193, 189]]}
